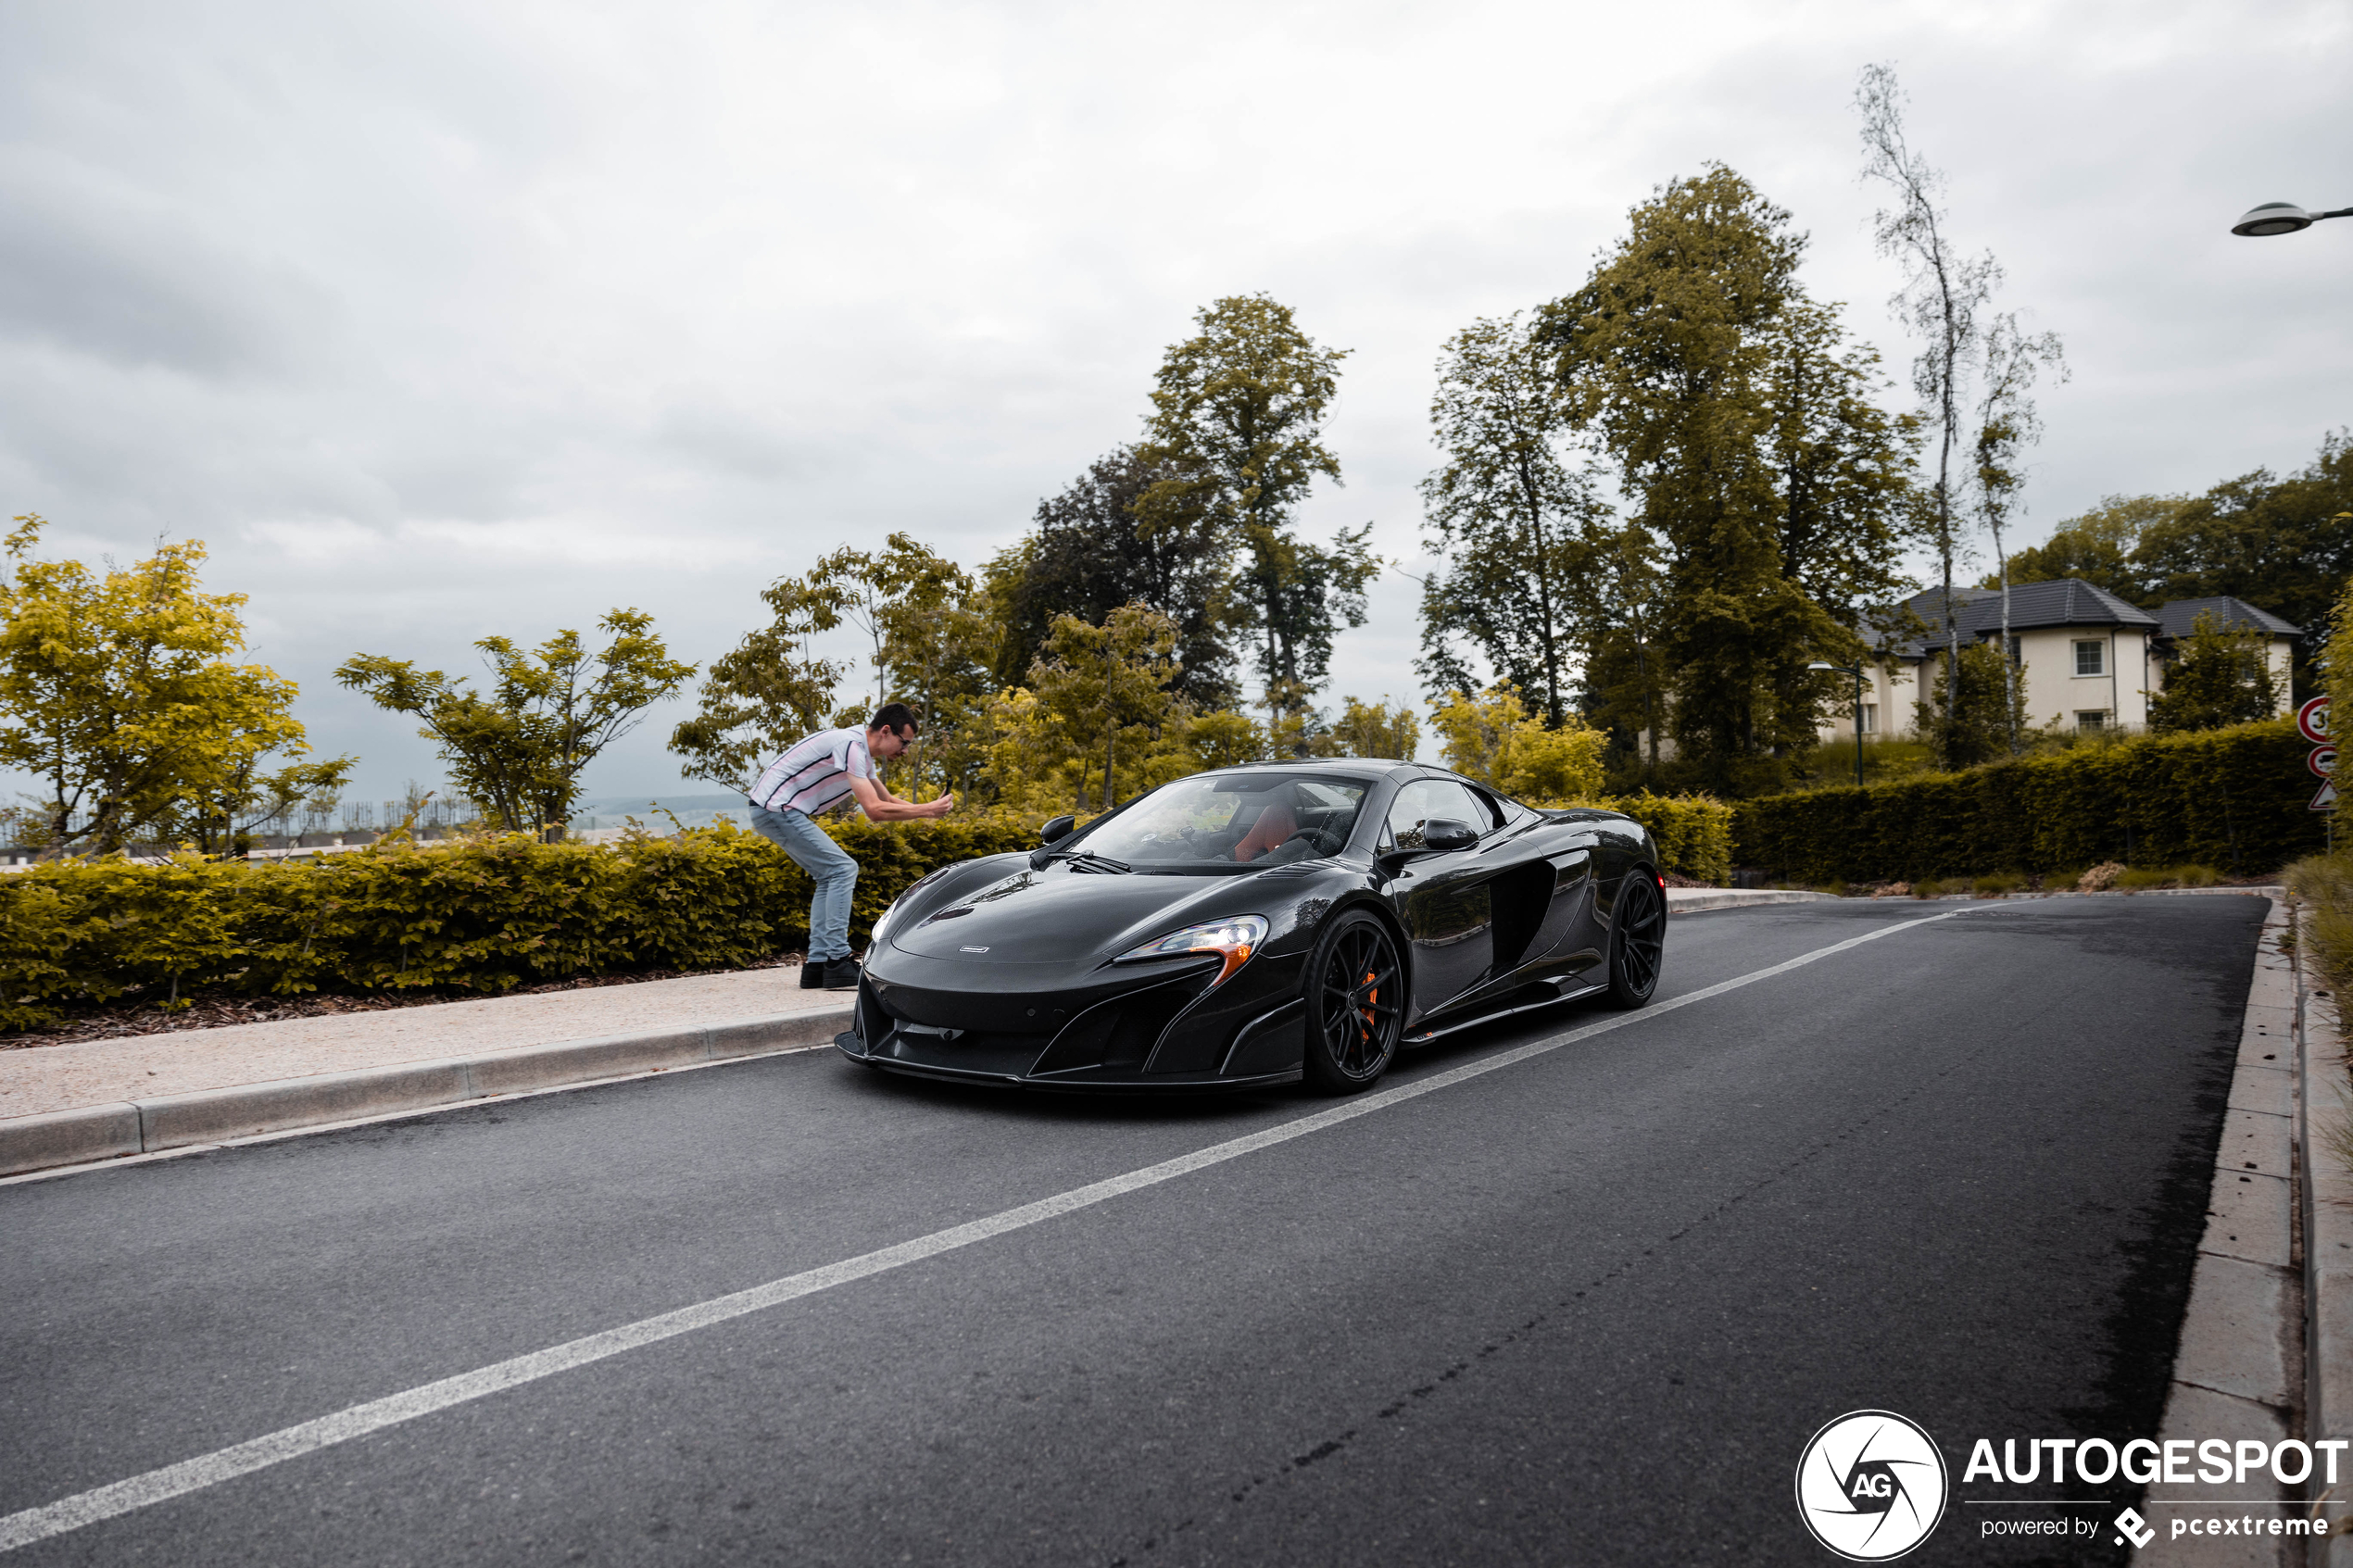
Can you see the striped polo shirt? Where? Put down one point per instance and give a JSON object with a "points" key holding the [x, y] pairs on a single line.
{"points": [[813, 776]]}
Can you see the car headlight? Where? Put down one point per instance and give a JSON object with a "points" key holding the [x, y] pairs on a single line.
{"points": [[1236, 937]]}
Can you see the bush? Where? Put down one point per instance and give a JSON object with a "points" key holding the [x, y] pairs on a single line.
{"points": [[2232, 797], [480, 917]]}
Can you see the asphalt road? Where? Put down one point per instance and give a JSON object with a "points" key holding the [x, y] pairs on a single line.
{"points": [[1583, 1308]]}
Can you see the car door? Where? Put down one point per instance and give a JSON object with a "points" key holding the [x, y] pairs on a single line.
{"points": [[1443, 897]]}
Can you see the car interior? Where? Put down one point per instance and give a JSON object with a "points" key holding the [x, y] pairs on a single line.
{"points": [[1286, 821], [1291, 822]]}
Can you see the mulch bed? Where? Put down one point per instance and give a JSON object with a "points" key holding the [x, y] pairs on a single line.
{"points": [[129, 1016]]}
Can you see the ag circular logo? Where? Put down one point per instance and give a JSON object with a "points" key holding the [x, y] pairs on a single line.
{"points": [[1870, 1485]]}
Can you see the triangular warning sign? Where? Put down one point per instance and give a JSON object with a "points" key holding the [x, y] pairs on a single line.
{"points": [[2326, 799]]}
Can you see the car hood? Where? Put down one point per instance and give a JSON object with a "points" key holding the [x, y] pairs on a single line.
{"points": [[1061, 916]]}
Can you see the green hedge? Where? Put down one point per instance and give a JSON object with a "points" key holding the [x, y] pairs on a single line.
{"points": [[484, 916], [2234, 800]]}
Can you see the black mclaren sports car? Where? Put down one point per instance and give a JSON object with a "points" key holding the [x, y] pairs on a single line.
{"points": [[1253, 925]]}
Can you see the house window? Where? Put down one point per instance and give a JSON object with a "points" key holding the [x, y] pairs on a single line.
{"points": [[2015, 654], [2091, 658], [1870, 719], [2091, 719]]}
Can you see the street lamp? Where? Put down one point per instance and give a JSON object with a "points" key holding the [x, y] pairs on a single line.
{"points": [[2282, 217], [1856, 670]]}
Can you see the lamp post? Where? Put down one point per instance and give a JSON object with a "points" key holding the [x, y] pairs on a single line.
{"points": [[2282, 217], [1856, 670]]}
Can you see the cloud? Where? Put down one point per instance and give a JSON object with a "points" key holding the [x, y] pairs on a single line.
{"points": [[446, 319]]}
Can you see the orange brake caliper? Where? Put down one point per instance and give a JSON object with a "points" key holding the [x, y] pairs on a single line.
{"points": [[1367, 1013]]}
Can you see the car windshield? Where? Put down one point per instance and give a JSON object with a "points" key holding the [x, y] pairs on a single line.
{"points": [[1228, 822]]}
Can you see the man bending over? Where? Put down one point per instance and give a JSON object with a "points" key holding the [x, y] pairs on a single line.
{"points": [[813, 776]]}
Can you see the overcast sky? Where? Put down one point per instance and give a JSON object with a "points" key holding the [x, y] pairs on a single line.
{"points": [[435, 320]]}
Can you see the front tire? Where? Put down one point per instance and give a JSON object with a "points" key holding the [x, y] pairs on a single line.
{"points": [[1356, 996], [1637, 939]]}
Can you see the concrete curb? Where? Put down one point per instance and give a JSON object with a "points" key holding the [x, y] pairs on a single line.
{"points": [[94, 1133], [2327, 1216], [2240, 1369], [1690, 900]]}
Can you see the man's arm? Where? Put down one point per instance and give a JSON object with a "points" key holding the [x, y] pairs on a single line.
{"points": [[880, 806]]}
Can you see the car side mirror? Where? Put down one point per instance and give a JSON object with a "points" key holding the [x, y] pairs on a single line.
{"points": [[1057, 830], [1443, 833]]}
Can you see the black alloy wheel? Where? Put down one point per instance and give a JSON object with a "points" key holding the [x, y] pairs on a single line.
{"points": [[1355, 1005], [1638, 938]]}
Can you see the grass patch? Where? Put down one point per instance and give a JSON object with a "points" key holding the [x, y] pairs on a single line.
{"points": [[1999, 882], [2323, 886]]}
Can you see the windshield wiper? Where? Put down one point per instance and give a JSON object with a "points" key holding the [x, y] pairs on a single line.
{"points": [[1088, 860]]}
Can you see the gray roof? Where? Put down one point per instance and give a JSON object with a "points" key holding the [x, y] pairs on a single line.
{"points": [[2066, 601], [2177, 617]]}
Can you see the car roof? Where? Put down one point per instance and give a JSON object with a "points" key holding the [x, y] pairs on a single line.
{"points": [[1382, 767]]}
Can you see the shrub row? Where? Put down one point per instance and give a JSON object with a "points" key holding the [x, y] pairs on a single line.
{"points": [[485, 915], [2234, 798], [482, 916]]}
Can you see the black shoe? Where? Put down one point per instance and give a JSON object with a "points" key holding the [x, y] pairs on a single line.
{"points": [[842, 975], [813, 975]]}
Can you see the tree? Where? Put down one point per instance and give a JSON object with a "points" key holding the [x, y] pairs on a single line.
{"points": [[223, 821], [1844, 470], [1943, 292], [519, 752], [1677, 352], [1099, 683], [1089, 555], [1515, 522], [1493, 738], [2007, 425], [2098, 547], [2219, 674], [2285, 544], [931, 641], [1980, 725], [937, 642], [117, 694], [768, 692], [1237, 430], [1376, 730], [1620, 605]]}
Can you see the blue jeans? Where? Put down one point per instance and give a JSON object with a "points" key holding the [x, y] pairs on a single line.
{"points": [[828, 865]]}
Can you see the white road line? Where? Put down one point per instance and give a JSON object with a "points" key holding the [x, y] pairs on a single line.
{"points": [[208, 1470]]}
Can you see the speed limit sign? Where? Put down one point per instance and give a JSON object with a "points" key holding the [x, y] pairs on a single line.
{"points": [[2313, 720]]}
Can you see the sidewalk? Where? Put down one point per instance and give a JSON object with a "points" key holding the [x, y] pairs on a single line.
{"points": [[45, 1078], [93, 1100]]}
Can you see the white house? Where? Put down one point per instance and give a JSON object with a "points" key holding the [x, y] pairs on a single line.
{"points": [[2087, 659]]}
